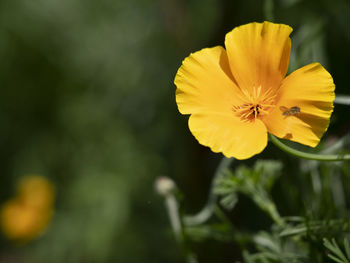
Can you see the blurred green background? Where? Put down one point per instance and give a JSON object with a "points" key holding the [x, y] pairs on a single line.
{"points": [[87, 100]]}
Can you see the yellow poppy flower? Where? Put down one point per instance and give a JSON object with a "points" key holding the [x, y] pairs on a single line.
{"points": [[236, 96], [26, 215]]}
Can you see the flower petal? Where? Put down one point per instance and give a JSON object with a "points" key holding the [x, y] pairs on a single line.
{"points": [[204, 83], [259, 54], [229, 135], [310, 88]]}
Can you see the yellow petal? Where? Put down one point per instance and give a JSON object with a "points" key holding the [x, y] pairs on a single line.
{"points": [[204, 83], [36, 191], [258, 54], [21, 222], [228, 134], [311, 89]]}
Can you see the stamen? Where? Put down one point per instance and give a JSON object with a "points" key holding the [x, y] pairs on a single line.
{"points": [[258, 104]]}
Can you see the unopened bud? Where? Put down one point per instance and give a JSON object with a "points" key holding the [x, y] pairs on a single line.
{"points": [[164, 185]]}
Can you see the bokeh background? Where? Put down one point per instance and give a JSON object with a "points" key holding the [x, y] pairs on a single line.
{"points": [[87, 101]]}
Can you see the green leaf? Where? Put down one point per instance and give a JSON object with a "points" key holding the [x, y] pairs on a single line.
{"points": [[338, 255], [347, 247], [255, 182]]}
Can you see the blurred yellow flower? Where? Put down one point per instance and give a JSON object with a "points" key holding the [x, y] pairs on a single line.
{"points": [[236, 96], [27, 214]]}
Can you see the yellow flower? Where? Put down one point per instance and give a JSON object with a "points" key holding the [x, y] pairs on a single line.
{"points": [[26, 215], [236, 96]]}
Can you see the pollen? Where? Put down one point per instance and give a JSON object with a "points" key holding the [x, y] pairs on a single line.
{"points": [[258, 103]]}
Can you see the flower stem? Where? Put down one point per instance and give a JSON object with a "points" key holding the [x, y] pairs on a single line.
{"points": [[173, 212], [339, 144], [166, 188], [309, 156], [342, 99], [268, 10], [175, 221], [208, 209]]}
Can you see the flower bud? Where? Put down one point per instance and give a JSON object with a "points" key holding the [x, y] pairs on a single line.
{"points": [[164, 185]]}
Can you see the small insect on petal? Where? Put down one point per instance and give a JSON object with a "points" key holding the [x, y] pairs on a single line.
{"points": [[290, 111]]}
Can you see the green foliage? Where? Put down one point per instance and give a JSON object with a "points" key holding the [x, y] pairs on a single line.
{"points": [[316, 227], [272, 248], [335, 253], [288, 239], [254, 182], [220, 231]]}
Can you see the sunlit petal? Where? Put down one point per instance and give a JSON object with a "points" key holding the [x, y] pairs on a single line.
{"points": [[204, 83], [229, 135], [311, 89], [258, 54]]}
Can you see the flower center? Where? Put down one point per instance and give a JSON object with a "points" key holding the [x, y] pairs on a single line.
{"points": [[257, 104]]}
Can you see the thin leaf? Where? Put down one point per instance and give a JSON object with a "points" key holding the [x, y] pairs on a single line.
{"points": [[347, 247], [338, 254], [336, 259]]}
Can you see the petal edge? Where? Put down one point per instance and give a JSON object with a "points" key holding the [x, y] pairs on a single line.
{"points": [[204, 83], [259, 54], [229, 135], [310, 88]]}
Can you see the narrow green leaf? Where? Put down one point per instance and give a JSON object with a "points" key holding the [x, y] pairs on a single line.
{"points": [[347, 247], [336, 259]]}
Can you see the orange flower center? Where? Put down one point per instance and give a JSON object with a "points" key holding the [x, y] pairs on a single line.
{"points": [[257, 104]]}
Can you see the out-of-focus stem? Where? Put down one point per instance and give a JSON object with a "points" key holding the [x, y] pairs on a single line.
{"points": [[173, 212], [342, 99], [268, 10], [208, 209], [166, 188], [339, 144]]}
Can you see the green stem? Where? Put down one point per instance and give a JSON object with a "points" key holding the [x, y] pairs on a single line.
{"points": [[339, 144], [208, 209], [175, 222], [342, 99], [309, 156], [173, 212], [167, 188], [268, 10]]}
